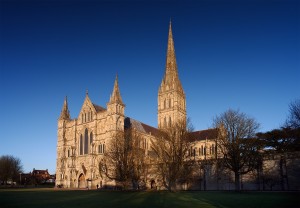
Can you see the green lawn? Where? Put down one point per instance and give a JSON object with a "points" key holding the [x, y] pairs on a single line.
{"points": [[91, 198]]}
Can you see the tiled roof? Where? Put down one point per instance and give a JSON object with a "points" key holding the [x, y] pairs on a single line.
{"points": [[98, 108], [40, 172], [204, 134], [141, 127], [194, 136]]}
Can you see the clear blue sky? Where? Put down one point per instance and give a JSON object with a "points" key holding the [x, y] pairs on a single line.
{"points": [[230, 54]]}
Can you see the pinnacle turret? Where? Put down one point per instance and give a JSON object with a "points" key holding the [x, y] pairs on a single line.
{"points": [[116, 95], [65, 114]]}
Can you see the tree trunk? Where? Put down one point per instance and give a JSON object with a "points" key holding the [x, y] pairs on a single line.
{"points": [[237, 181], [204, 179], [286, 174], [258, 178], [281, 173]]}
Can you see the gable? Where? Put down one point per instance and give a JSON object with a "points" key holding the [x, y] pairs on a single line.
{"points": [[87, 111]]}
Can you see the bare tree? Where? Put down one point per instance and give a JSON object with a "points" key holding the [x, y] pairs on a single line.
{"points": [[124, 159], [293, 120], [236, 142], [171, 148], [10, 168]]}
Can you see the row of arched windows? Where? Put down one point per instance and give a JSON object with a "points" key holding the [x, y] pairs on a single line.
{"points": [[86, 117], [167, 103], [85, 142], [203, 150]]}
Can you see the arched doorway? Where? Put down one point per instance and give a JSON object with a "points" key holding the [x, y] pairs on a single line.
{"points": [[81, 181], [153, 184]]}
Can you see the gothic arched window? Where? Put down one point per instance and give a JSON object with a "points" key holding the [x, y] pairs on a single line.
{"points": [[165, 122], [170, 103], [86, 142], [91, 138], [81, 145], [170, 122], [165, 104]]}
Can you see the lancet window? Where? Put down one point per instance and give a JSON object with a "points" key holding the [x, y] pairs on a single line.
{"points": [[85, 142]]}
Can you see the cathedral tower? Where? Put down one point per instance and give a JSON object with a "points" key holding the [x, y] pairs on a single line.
{"points": [[171, 97]]}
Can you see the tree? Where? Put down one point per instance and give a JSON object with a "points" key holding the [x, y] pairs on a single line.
{"points": [[282, 142], [171, 149], [293, 120], [124, 159], [10, 168], [237, 143]]}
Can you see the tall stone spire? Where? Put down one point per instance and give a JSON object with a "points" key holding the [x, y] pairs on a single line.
{"points": [[171, 65], [116, 95], [65, 114], [171, 77], [171, 97]]}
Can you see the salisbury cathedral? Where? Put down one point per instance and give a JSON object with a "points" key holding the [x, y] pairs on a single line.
{"points": [[82, 142]]}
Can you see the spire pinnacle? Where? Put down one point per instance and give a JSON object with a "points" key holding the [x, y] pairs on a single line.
{"points": [[171, 77], [171, 65], [116, 95], [65, 114]]}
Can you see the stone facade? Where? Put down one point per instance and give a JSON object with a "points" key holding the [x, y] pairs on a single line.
{"points": [[82, 141]]}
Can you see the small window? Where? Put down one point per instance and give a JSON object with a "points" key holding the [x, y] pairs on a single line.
{"points": [[100, 148]]}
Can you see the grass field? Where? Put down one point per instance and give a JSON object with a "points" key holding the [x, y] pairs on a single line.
{"points": [[93, 198]]}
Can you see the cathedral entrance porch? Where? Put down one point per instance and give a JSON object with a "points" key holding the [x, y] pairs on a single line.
{"points": [[82, 181]]}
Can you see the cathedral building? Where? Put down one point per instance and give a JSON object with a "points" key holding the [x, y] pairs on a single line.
{"points": [[82, 141]]}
